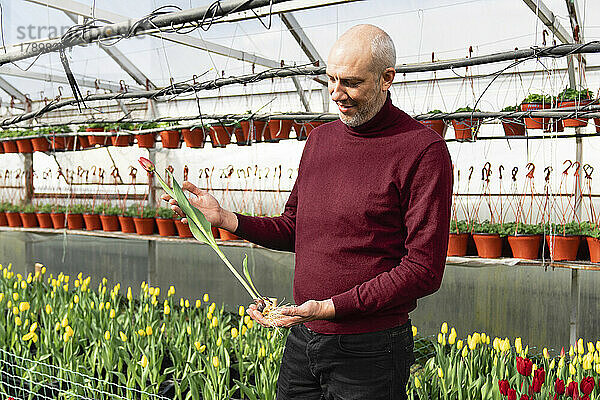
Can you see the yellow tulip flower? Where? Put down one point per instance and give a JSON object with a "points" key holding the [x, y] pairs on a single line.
{"points": [[262, 352], [181, 302], [209, 316], [591, 347], [572, 369], [48, 309], [452, 337], [15, 296], [212, 307], [144, 361], [23, 285], [246, 319], [597, 368], [546, 354], [198, 303], [465, 351], [439, 338], [241, 311], [15, 310], [148, 330], [122, 336], [76, 299], [18, 321], [417, 382], [444, 328], [580, 349], [219, 341], [234, 332], [250, 324], [205, 298], [187, 303], [171, 291], [167, 309], [107, 335], [112, 313], [440, 373], [552, 364], [64, 322], [28, 336], [518, 345], [244, 329], [459, 344], [414, 331], [141, 332], [214, 323], [33, 327], [215, 362], [197, 345]]}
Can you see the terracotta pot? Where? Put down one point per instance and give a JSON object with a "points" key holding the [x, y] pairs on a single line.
{"points": [[127, 224], [144, 226], [563, 248], [1, 148], [121, 140], [63, 142], [554, 125], [74, 221], [92, 222], [464, 129], [279, 129], [183, 230], [29, 220], [24, 146], [457, 244], [219, 136], [535, 123], [58, 220], [242, 136], [100, 140], [40, 143], [215, 231], [572, 122], [170, 139], [44, 220], [146, 140], [110, 223], [10, 146], [594, 246], [13, 219], [166, 226], [597, 123], [193, 138], [513, 127], [3, 220], [260, 128], [437, 125], [525, 246], [488, 245], [226, 235], [83, 142]]}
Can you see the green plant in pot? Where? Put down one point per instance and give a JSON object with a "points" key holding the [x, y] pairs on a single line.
{"points": [[524, 239], [57, 208], [164, 212], [437, 125], [575, 98], [466, 128], [488, 239], [44, 208], [75, 209], [563, 240], [592, 236], [459, 238], [534, 102]]}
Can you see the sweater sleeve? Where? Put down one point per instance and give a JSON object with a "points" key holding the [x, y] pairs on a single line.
{"points": [[427, 221], [277, 233]]}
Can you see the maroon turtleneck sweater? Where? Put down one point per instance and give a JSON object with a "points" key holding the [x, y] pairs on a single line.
{"points": [[368, 218]]}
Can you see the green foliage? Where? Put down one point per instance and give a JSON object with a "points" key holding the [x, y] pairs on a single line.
{"points": [[568, 229], [436, 111], [57, 208], [467, 109], [537, 98], [146, 125], [127, 126], [511, 108], [459, 227], [81, 128], [131, 211], [590, 229], [573, 94], [13, 208], [111, 210], [28, 208], [62, 129], [44, 208], [488, 227], [75, 209], [514, 229], [146, 212], [99, 209], [98, 125], [4, 206], [164, 212]]}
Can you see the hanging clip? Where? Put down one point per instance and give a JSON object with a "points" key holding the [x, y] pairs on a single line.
{"points": [[548, 171], [588, 169], [531, 168], [186, 170], [567, 169], [500, 169], [514, 173]]}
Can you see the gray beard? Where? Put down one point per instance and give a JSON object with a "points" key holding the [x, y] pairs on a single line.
{"points": [[364, 113]]}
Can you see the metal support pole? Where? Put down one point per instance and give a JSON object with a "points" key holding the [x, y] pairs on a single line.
{"points": [[151, 187], [152, 277], [28, 168]]}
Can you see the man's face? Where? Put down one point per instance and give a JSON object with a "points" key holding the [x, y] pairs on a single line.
{"points": [[353, 86]]}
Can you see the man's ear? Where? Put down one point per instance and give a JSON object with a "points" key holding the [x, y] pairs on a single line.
{"points": [[388, 78]]}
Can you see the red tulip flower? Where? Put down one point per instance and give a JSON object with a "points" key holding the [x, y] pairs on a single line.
{"points": [[524, 397], [586, 397], [512, 394], [559, 386], [572, 390], [503, 385], [147, 164], [587, 385], [524, 366], [539, 376]]}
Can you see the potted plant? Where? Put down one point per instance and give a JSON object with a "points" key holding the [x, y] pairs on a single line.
{"points": [[226, 235], [242, 133], [3, 208], [41, 140], [74, 215], [591, 231], [170, 138], [9, 145], [575, 98], [91, 217], [164, 221], [564, 244], [42, 213], [278, 129], [458, 239], [126, 219], [82, 138], [437, 125], [524, 239], [109, 218], [64, 141], [146, 140], [144, 221], [183, 230], [488, 239], [466, 128], [28, 216], [260, 128], [13, 216], [513, 126], [535, 102], [220, 135], [94, 138], [304, 128], [120, 138], [23, 141], [58, 216], [194, 136]]}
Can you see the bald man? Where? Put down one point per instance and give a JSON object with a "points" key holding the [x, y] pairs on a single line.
{"points": [[368, 219]]}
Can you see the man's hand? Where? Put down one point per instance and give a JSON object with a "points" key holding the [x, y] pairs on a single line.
{"points": [[207, 204], [295, 315]]}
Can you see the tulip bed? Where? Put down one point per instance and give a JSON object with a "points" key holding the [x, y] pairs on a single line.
{"points": [[484, 368], [98, 343]]}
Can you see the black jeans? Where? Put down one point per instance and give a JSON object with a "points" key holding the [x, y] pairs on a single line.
{"points": [[359, 366]]}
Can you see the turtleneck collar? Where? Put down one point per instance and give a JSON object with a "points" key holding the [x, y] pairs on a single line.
{"points": [[377, 126]]}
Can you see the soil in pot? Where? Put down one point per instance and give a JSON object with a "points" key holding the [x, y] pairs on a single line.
{"points": [[466, 129], [127, 224], [166, 226], [183, 230], [488, 245], [110, 223], [437, 125], [574, 122], [40, 143], [3, 220], [594, 246], [92, 222], [10, 146], [44, 220], [513, 127], [219, 136], [24, 145], [144, 226], [226, 235], [457, 244], [279, 129], [534, 123], [525, 246], [563, 248], [58, 220], [146, 140], [74, 221], [13, 219], [171, 139], [193, 138]]}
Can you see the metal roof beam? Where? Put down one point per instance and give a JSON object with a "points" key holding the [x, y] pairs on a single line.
{"points": [[14, 92], [549, 19]]}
